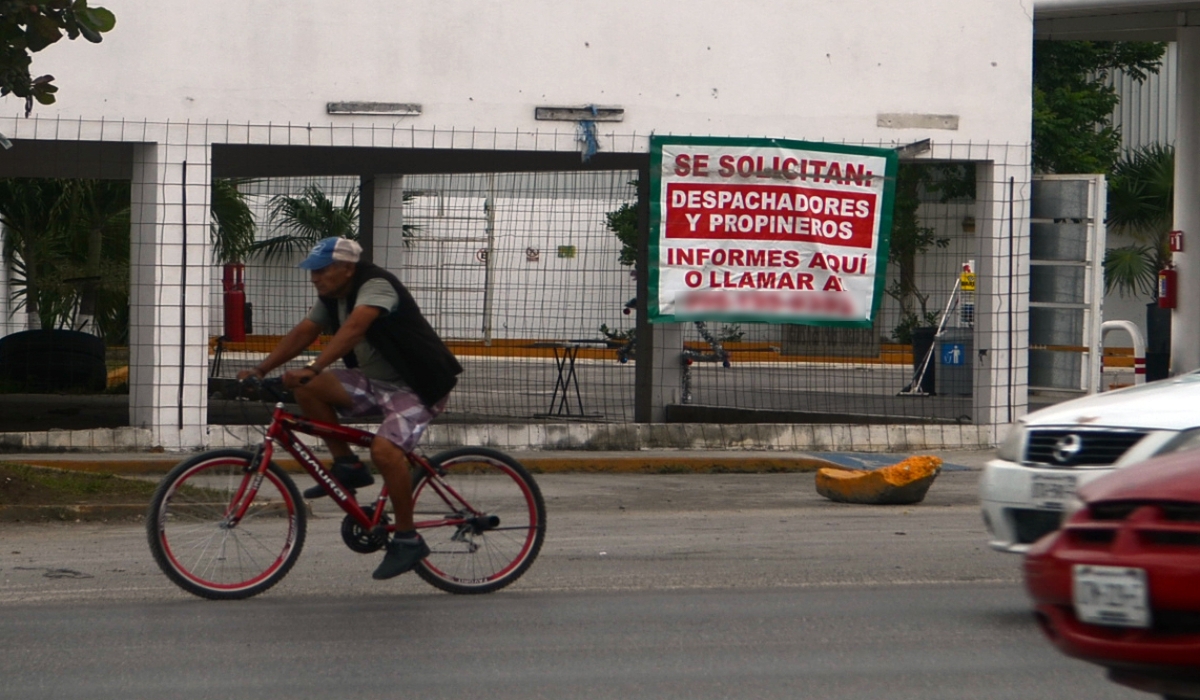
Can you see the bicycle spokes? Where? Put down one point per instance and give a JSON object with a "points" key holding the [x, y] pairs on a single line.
{"points": [[483, 518]]}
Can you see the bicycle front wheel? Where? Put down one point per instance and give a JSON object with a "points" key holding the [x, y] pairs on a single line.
{"points": [[200, 542], [482, 516]]}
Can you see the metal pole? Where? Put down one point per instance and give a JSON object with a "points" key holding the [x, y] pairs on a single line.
{"points": [[183, 285], [489, 263]]}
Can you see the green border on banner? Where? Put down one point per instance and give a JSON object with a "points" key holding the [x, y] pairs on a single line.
{"points": [[883, 248]]}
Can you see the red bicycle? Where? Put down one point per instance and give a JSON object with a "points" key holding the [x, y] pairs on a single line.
{"points": [[230, 523]]}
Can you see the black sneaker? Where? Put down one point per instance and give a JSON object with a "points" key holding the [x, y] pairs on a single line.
{"points": [[402, 555], [351, 472]]}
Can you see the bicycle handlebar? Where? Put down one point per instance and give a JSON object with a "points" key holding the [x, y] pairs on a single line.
{"points": [[255, 385]]}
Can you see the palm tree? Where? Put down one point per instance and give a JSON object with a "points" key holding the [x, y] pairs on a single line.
{"points": [[67, 242], [30, 210], [1141, 193], [232, 228], [307, 219], [98, 231]]}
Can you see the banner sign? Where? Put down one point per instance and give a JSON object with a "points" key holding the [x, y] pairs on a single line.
{"points": [[767, 230]]}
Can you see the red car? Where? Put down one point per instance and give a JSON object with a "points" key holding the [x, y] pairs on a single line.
{"points": [[1119, 584]]}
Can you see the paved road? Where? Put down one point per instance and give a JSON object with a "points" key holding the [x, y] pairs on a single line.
{"points": [[649, 586]]}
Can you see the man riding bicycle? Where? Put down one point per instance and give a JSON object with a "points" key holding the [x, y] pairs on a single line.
{"points": [[395, 365]]}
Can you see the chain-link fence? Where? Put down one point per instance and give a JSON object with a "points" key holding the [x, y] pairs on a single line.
{"points": [[519, 265]]}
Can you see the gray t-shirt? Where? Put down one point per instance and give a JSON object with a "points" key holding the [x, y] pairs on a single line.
{"points": [[375, 292]]}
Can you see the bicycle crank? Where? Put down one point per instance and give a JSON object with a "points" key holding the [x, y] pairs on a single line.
{"points": [[362, 540]]}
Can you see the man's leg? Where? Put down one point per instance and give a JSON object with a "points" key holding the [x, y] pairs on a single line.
{"points": [[405, 418], [319, 399], [393, 465]]}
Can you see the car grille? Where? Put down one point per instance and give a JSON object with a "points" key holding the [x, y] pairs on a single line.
{"points": [[1119, 510], [1091, 447], [1029, 526], [1166, 525], [1163, 527]]}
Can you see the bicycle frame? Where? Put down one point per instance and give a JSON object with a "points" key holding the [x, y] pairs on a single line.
{"points": [[283, 430]]}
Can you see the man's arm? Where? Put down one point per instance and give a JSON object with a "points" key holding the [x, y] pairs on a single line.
{"points": [[300, 337], [350, 334]]}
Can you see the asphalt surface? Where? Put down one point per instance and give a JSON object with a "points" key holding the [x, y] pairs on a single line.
{"points": [[689, 585]]}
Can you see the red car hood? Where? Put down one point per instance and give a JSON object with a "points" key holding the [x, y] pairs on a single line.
{"points": [[1173, 477]]}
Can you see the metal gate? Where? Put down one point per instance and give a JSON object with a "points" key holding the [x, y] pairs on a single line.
{"points": [[1066, 282]]}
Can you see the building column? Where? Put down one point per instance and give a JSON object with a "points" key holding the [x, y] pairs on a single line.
{"points": [[1185, 320], [386, 201], [658, 374], [1000, 377], [169, 289]]}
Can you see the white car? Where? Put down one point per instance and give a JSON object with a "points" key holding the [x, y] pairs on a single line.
{"points": [[1052, 452]]}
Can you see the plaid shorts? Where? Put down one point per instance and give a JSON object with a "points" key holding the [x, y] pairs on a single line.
{"points": [[405, 417]]}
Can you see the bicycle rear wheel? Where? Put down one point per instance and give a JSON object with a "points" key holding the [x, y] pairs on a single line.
{"points": [[199, 547], [483, 518]]}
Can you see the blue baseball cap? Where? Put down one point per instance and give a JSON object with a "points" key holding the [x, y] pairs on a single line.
{"points": [[330, 250]]}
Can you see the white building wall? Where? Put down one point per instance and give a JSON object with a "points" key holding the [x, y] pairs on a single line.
{"points": [[818, 70], [955, 72]]}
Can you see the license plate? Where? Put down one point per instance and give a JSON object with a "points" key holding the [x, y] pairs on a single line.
{"points": [[1114, 596], [1051, 491]]}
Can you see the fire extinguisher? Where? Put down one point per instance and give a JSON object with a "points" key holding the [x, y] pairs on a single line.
{"points": [[235, 302], [1167, 286]]}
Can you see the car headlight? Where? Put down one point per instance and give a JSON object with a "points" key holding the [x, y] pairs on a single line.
{"points": [[1013, 445], [1186, 440]]}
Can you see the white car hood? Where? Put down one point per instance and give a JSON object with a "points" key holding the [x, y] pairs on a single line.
{"points": [[1169, 404]]}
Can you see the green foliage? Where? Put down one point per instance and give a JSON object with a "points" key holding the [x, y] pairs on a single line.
{"points": [[1141, 193], [614, 334], [1073, 104], [903, 332], [307, 219], [232, 227], [68, 244], [22, 484], [624, 223], [28, 26], [1131, 270], [730, 334], [910, 239], [310, 217], [1141, 200]]}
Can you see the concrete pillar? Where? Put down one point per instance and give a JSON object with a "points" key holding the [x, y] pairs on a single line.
{"points": [[169, 289], [387, 230], [1185, 320], [1001, 387], [659, 372]]}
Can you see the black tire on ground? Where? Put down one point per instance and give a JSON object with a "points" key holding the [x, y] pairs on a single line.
{"points": [[53, 360]]}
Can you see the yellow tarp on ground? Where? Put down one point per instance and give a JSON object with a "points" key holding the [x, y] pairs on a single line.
{"points": [[898, 484]]}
